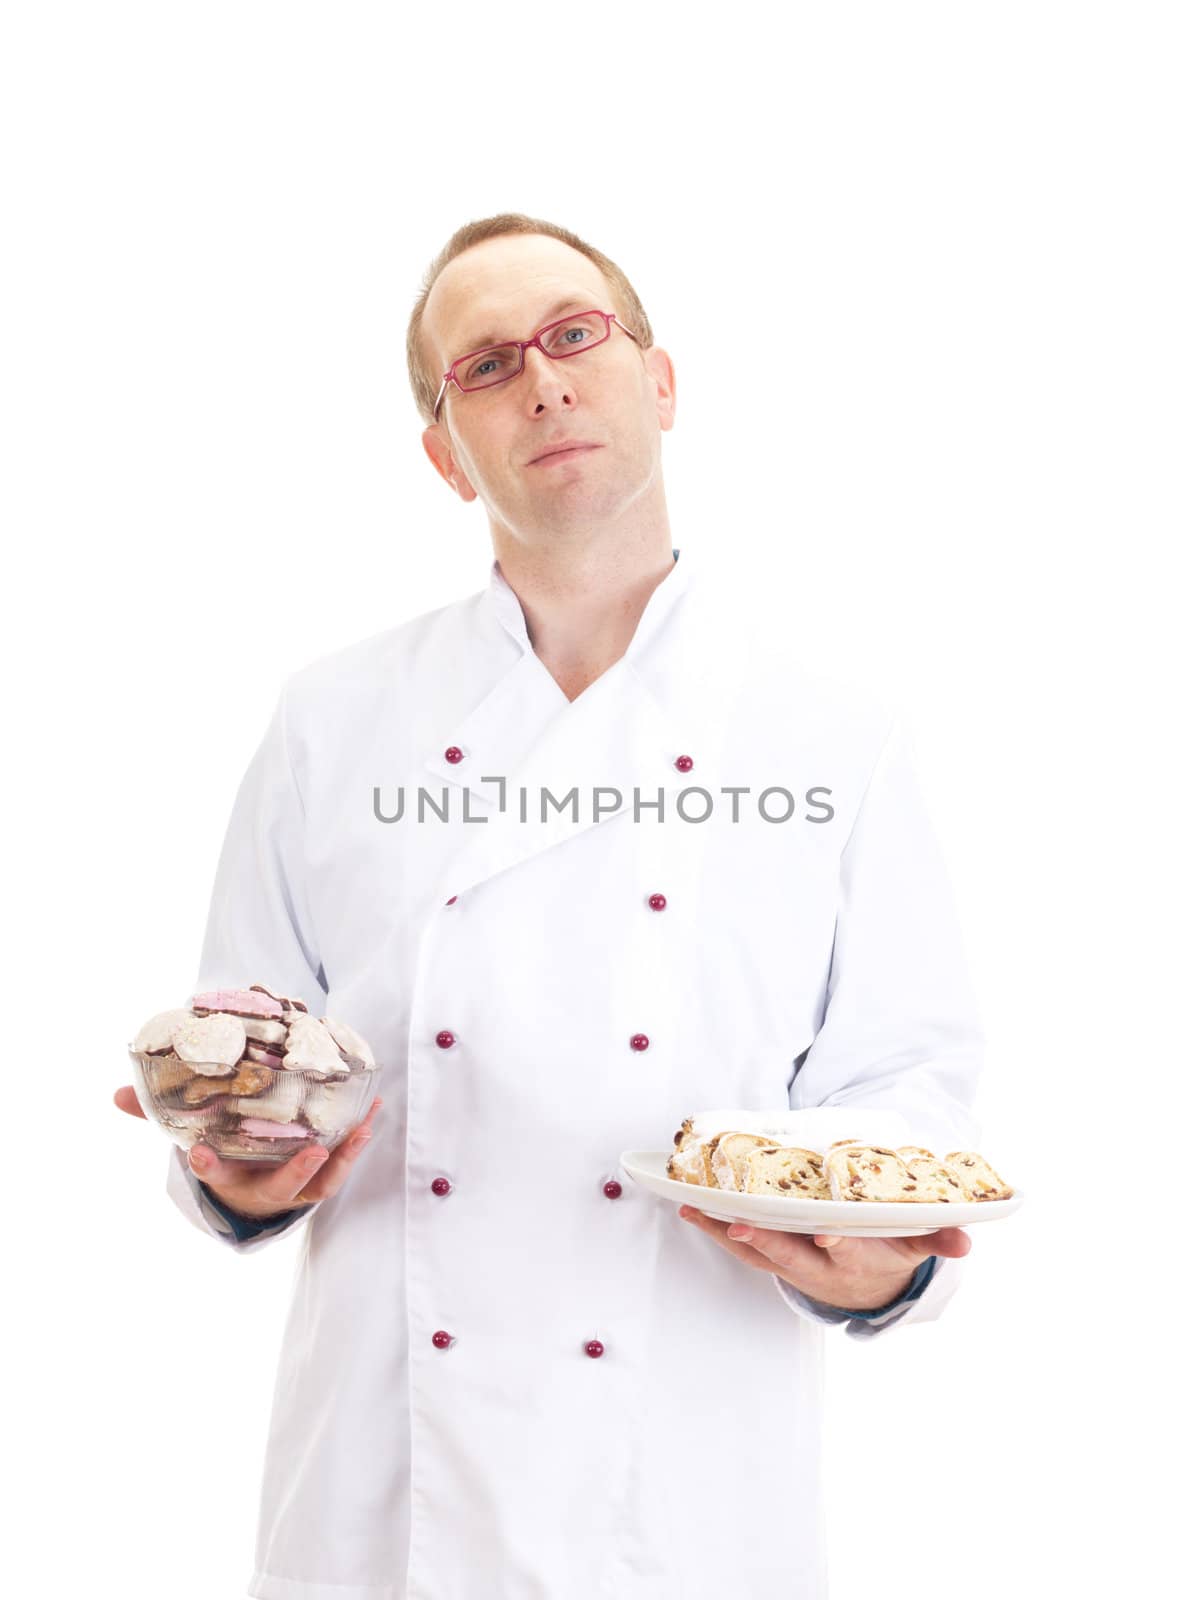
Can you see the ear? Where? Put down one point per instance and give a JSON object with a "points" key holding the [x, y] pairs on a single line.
{"points": [[437, 448], [659, 367]]}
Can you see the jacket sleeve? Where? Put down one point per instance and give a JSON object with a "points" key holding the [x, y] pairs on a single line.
{"points": [[901, 1029], [259, 930], [206, 1212]]}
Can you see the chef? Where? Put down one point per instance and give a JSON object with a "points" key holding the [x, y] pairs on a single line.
{"points": [[580, 855]]}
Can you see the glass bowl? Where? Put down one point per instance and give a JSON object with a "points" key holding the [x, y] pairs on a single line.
{"points": [[237, 1114]]}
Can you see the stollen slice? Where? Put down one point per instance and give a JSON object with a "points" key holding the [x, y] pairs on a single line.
{"points": [[868, 1172], [728, 1152], [978, 1177], [778, 1169], [687, 1163], [935, 1181]]}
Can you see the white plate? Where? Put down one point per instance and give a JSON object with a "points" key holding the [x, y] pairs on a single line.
{"points": [[862, 1218]]}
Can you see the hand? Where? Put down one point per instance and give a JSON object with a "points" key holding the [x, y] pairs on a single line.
{"points": [[265, 1188], [850, 1274]]}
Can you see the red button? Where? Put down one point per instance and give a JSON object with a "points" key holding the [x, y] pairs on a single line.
{"points": [[612, 1189], [684, 763], [442, 1339], [455, 755], [452, 899], [594, 1348], [440, 1186], [639, 1042], [658, 902], [445, 1039]]}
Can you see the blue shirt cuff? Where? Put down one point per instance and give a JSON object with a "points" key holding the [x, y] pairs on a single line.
{"points": [[246, 1227], [914, 1292]]}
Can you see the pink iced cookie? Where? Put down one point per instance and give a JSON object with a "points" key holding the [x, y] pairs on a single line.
{"points": [[265, 1057], [287, 1001], [260, 1128], [239, 1002]]}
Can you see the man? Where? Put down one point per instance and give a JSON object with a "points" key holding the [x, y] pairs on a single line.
{"points": [[509, 1370]]}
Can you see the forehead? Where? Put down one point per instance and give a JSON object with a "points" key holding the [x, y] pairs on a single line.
{"points": [[503, 288]]}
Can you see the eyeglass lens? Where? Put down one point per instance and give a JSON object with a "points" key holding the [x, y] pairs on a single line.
{"points": [[504, 360]]}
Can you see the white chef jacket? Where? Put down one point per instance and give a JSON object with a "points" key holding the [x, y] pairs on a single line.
{"points": [[611, 1400]]}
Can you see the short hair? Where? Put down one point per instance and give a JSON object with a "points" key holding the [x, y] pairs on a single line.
{"points": [[633, 313]]}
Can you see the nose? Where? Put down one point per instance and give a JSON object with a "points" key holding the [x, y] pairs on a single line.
{"points": [[546, 381]]}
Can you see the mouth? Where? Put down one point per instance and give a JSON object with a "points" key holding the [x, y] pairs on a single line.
{"points": [[563, 454]]}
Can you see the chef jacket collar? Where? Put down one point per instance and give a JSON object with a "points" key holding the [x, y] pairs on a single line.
{"points": [[665, 698], [508, 612]]}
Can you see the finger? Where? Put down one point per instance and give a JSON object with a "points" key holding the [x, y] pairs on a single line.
{"points": [[262, 1186], [336, 1170], [790, 1252], [232, 1178], [257, 1188], [746, 1250], [363, 1131], [291, 1182], [735, 1233], [128, 1101], [946, 1242], [919, 1247], [831, 1243]]}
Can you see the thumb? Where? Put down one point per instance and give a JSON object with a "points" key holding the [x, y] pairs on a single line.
{"points": [[127, 1100]]}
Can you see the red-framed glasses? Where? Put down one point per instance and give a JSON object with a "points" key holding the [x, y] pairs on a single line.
{"points": [[497, 363]]}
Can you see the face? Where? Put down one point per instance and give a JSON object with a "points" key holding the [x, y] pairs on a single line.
{"points": [[615, 396]]}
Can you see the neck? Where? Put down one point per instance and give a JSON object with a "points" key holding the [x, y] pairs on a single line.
{"points": [[582, 606]]}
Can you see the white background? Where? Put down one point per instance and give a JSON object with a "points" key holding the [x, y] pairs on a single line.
{"points": [[928, 274]]}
